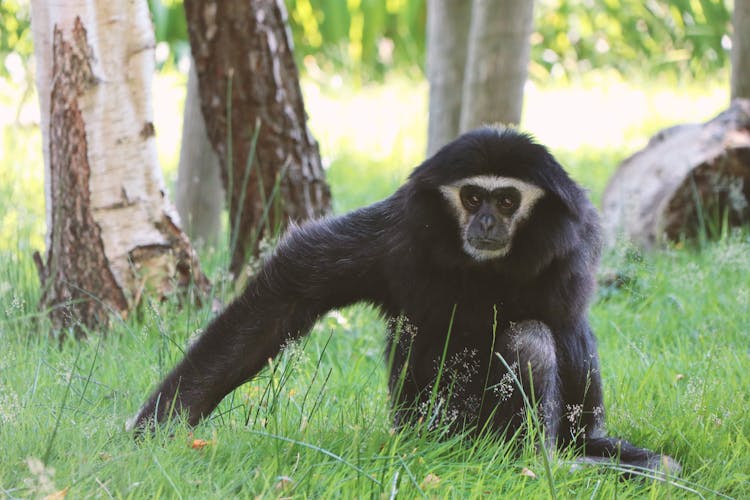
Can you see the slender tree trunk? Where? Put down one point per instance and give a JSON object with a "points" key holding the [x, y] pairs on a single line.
{"points": [[200, 194], [741, 50], [448, 24], [110, 232], [498, 60], [248, 79]]}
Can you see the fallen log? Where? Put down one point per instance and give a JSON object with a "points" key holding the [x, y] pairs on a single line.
{"points": [[690, 181]]}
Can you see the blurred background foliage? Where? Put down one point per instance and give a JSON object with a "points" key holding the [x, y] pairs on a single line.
{"points": [[678, 37], [15, 36], [369, 38], [671, 38]]}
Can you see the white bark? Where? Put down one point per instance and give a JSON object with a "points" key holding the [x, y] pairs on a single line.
{"points": [[447, 44], [498, 60], [108, 70], [741, 50], [42, 35], [199, 192]]}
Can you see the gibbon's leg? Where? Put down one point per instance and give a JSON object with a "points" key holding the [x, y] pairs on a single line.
{"points": [[610, 450], [582, 399], [583, 413], [530, 351]]}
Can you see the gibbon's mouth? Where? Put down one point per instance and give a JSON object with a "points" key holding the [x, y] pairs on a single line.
{"points": [[486, 243]]}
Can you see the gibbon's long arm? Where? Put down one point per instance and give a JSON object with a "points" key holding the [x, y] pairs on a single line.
{"points": [[317, 267]]}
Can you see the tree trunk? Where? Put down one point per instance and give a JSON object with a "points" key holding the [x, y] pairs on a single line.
{"points": [[200, 194], [498, 60], [741, 50], [447, 45], [247, 79], [110, 232]]}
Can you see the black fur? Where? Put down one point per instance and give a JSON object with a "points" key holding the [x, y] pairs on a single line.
{"points": [[404, 254]]}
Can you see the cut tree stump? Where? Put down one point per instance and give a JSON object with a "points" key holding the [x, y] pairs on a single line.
{"points": [[690, 181]]}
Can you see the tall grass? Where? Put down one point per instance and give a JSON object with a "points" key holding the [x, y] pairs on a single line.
{"points": [[674, 353], [673, 335]]}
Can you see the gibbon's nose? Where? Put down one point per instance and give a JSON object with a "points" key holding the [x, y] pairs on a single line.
{"points": [[486, 222]]}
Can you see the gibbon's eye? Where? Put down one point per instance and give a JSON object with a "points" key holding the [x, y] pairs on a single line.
{"points": [[471, 198], [508, 200]]}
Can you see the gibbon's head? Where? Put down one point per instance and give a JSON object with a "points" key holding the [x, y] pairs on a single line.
{"points": [[506, 195], [488, 210]]}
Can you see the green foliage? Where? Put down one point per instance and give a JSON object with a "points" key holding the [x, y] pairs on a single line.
{"points": [[15, 32], [571, 37], [678, 37], [170, 28], [367, 37]]}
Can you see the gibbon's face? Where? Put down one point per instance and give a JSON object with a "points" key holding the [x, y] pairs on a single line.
{"points": [[489, 210]]}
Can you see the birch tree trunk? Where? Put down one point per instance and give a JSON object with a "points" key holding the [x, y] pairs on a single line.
{"points": [[448, 24], [248, 79], [741, 50], [497, 64], [200, 194], [110, 232]]}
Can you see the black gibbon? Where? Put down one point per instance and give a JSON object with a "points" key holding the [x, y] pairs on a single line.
{"points": [[488, 251]]}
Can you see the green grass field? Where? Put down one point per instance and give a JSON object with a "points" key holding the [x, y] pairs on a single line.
{"points": [[674, 344]]}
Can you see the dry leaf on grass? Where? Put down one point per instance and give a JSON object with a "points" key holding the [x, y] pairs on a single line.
{"points": [[58, 495], [528, 473], [430, 480], [199, 444]]}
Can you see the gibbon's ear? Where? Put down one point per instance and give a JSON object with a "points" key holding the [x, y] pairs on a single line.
{"points": [[555, 181], [422, 202], [422, 193]]}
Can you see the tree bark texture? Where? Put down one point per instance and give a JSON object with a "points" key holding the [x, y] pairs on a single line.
{"points": [[690, 180], [497, 65], [110, 232], [199, 194], [247, 79], [741, 50], [448, 24]]}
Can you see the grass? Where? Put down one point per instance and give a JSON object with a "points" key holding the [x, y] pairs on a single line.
{"points": [[673, 342]]}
